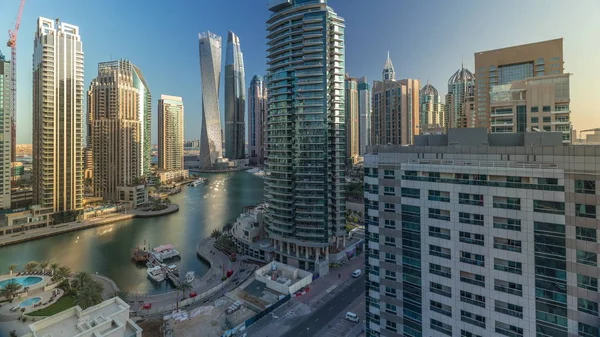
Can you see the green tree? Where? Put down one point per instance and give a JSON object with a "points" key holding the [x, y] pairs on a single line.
{"points": [[89, 295], [216, 233], [31, 266], [54, 267], [12, 268], [80, 280], [228, 227], [122, 294], [44, 265], [62, 273], [183, 287], [10, 290]]}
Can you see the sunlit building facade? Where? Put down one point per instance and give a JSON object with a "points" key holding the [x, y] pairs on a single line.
{"points": [[235, 99], [431, 111], [460, 100], [170, 133], [352, 127], [5, 132], [364, 115], [257, 119]]}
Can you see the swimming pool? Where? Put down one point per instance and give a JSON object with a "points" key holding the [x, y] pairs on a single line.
{"points": [[30, 301], [25, 281]]}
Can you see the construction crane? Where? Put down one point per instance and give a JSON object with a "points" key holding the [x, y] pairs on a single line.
{"points": [[12, 43]]}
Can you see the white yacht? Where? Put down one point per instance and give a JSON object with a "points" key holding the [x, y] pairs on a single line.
{"points": [[164, 252], [197, 182], [156, 273], [173, 269], [190, 276]]}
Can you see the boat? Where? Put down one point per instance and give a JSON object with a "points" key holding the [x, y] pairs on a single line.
{"points": [[156, 273], [190, 276], [172, 269], [197, 182], [140, 254], [164, 252]]}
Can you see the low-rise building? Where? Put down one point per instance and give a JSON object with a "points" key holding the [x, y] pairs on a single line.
{"points": [[134, 195], [249, 235], [283, 278], [21, 197], [109, 318], [36, 217], [166, 177]]}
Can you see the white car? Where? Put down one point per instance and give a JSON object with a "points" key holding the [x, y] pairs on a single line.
{"points": [[352, 317], [356, 273]]}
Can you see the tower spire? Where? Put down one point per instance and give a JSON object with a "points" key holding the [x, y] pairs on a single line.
{"points": [[388, 69]]}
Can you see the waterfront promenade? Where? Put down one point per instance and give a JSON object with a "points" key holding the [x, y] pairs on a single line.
{"points": [[78, 225]]}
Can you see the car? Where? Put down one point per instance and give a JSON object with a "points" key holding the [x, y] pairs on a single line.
{"points": [[356, 273], [352, 317]]}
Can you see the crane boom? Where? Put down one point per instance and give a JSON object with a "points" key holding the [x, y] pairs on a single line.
{"points": [[12, 43]]}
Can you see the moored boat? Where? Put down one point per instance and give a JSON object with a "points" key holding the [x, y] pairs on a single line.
{"points": [[190, 276], [156, 273], [164, 252]]}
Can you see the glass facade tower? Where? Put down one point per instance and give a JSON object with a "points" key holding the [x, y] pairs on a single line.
{"points": [[235, 100], [5, 119], [304, 186], [257, 117]]}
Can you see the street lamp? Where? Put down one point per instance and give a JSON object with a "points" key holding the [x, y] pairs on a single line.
{"points": [[307, 332]]}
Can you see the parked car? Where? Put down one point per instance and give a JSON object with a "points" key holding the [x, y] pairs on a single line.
{"points": [[352, 317], [356, 273]]}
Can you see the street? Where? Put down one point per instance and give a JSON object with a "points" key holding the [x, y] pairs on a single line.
{"points": [[332, 309], [340, 326]]}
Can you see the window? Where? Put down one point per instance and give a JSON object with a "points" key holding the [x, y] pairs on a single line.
{"points": [[391, 292], [389, 224], [439, 251], [389, 207], [508, 266], [508, 330], [474, 239], [470, 278], [436, 269], [546, 119], [587, 258], [472, 258], [391, 326], [586, 234], [550, 207], [507, 203], [471, 318], [587, 306], [508, 287], [507, 244], [585, 186], [546, 108], [444, 328], [508, 309], [507, 223], [440, 289], [535, 109], [391, 258], [390, 275], [390, 241], [587, 282], [440, 308], [472, 219], [435, 213], [390, 308], [465, 333], [535, 120], [410, 193], [438, 232], [587, 330], [388, 174], [439, 196], [585, 211], [470, 199], [547, 181], [471, 298], [389, 190]]}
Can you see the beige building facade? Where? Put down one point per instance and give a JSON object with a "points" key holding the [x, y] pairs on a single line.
{"points": [[400, 124], [351, 118], [170, 133]]}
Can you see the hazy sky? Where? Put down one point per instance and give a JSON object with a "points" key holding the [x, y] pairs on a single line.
{"points": [[426, 39]]}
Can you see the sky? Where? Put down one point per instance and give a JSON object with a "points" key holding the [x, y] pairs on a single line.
{"points": [[427, 40]]}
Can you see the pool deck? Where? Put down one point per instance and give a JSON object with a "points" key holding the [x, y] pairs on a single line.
{"points": [[45, 295], [44, 282]]}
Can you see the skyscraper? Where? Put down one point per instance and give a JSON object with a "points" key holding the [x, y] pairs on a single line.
{"points": [[431, 110], [364, 115], [235, 100], [57, 116], [460, 100], [117, 117], [395, 115], [304, 187], [211, 137], [6, 137], [505, 65], [472, 240], [257, 119], [170, 133], [351, 118]]}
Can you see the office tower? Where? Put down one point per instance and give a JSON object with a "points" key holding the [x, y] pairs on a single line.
{"points": [[6, 139], [351, 118], [431, 111], [502, 66], [304, 187], [471, 240], [364, 113], [257, 119], [235, 100], [395, 115], [170, 133], [57, 116], [536, 104], [116, 102], [211, 138], [460, 100]]}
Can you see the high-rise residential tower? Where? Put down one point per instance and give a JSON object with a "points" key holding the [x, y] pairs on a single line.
{"points": [[257, 119], [364, 115], [505, 65], [117, 117], [235, 99], [460, 100], [5, 132], [211, 137], [57, 116], [305, 186], [351, 118], [472, 240], [395, 115], [170, 133], [431, 110]]}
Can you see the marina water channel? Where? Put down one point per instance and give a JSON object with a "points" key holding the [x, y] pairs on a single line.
{"points": [[107, 250]]}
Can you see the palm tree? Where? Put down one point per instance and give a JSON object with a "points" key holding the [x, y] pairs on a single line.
{"points": [[89, 295], [62, 273], [228, 226], [215, 233], [122, 294], [54, 267], [81, 279], [10, 290], [44, 264], [31, 266], [12, 268], [183, 287]]}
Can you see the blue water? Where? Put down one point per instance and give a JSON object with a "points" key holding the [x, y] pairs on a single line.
{"points": [[30, 301], [24, 281]]}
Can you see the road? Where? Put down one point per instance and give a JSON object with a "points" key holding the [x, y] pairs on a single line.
{"points": [[332, 309]]}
